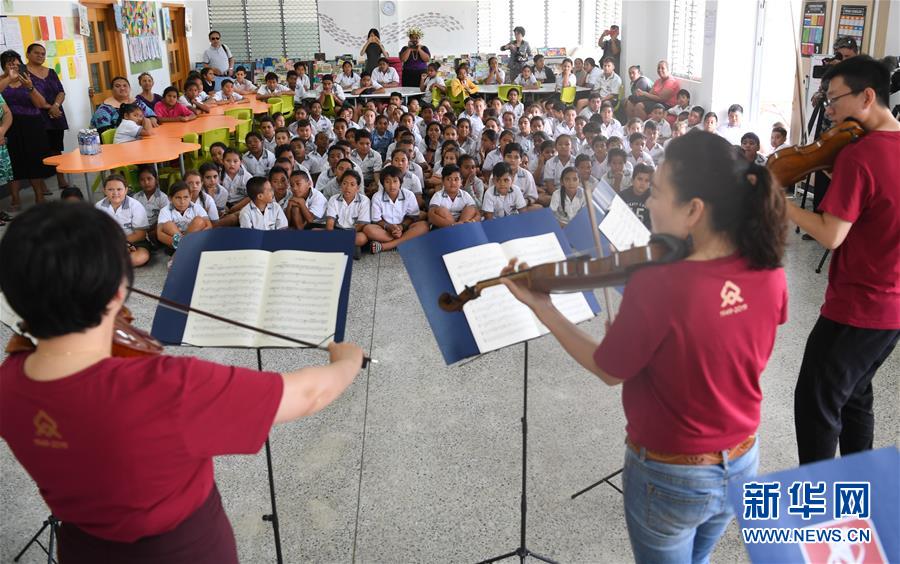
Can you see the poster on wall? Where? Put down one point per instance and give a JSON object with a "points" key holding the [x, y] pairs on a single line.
{"points": [[812, 33], [853, 24], [84, 25], [188, 22], [142, 35]]}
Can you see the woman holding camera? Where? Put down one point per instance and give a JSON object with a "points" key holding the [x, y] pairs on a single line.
{"points": [[415, 57], [519, 53]]}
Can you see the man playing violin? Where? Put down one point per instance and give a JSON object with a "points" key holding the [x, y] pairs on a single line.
{"points": [[121, 448], [859, 323], [688, 346]]}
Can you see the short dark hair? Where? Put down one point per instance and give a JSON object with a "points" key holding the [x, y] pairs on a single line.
{"points": [[641, 168], [281, 149], [781, 130], [363, 134], [616, 153], [698, 109], [207, 167], [255, 134], [861, 72], [271, 76], [450, 169], [76, 254], [751, 136], [71, 192], [278, 170], [168, 89], [214, 31], [227, 81], [352, 174], [511, 147], [636, 136], [255, 187], [178, 187], [684, 92], [650, 125], [735, 108], [500, 169], [393, 172], [582, 159]]}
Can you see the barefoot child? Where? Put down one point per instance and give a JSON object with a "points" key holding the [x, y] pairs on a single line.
{"points": [[349, 210], [395, 214]]}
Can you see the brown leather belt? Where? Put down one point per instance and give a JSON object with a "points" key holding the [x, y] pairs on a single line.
{"points": [[704, 459]]}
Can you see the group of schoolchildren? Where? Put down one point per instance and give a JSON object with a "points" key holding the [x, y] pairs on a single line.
{"points": [[391, 171]]}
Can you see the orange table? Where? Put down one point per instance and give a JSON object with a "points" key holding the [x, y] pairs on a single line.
{"points": [[249, 101], [146, 151], [178, 129]]}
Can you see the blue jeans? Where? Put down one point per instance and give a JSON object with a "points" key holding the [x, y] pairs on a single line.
{"points": [[676, 513]]}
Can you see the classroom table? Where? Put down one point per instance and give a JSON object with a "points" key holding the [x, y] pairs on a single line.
{"points": [[405, 91], [545, 89], [178, 129], [145, 151], [249, 101]]}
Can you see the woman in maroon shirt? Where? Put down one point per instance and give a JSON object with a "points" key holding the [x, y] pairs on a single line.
{"points": [[121, 448], [688, 346]]}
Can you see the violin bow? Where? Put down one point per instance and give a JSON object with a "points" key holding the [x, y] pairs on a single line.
{"points": [[595, 231], [182, 308]]}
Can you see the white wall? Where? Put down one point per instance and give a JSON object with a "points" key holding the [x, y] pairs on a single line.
{"points": [[199, 40], [78, 104], [450, 27]]}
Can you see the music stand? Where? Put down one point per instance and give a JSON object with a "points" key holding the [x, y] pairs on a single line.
{"points": [[51, 522], [169, 324]]}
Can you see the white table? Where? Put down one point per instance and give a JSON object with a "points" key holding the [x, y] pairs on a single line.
{"points": [[405, 91], [544, 90]]}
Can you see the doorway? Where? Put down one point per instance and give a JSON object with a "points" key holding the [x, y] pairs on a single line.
{"points": [[176, 47], [105, 59]]}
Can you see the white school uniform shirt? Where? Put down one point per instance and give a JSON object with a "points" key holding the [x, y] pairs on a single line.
{"points": [[127, 131], [587, 114], [394, 211], [531, 81], [300, 91], [732, 134], [208, 204], [599, 169], [607, 85], [559, 81], [348, 82], [565, 208], [237, 186], [322, 124], [390, 75], [664, 129], [592, 79], [418, 172], [152, 204], [541, 75], [455, 205], [244, 85], [269, 144], [130, 216], [220, 97], [491, 159], [316, 202], [326, 175], [525, 180], [411, 182], [279, 89], [304, 80], [780, 147], [220, 197], [517, 110], [675, 110], [475, 122], [259, 166], [431, 81], [612, 129], [502, 206], [554, 167], [313, 163], [626, 178], [645, 158], [563, 129], [170, 214], [345, 215], [475, 189], [501, 74], [331, 188], [469, 146], [370, 164], [270, 219], [656, 153]]}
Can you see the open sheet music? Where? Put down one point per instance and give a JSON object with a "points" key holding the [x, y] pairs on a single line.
{"points": [[622, 227], [497, 319], [295, 293]]}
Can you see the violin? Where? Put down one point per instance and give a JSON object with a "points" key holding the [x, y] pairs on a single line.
{"points": [[793, 164], [128, 341], [580, 273]]}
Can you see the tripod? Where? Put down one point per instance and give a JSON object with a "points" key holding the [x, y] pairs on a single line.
{"points": [[522, 551], [51, 522], [273, 516]]}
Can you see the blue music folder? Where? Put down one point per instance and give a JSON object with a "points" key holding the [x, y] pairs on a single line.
{"points": [[423, 258], [168, 325], [839, 511]]}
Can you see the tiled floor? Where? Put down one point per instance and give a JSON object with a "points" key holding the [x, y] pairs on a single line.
{"points": [[420, 462]]}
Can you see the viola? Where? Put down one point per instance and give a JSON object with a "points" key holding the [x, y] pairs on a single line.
{"points": [[128, 341], [793, 164], [580, 273]]}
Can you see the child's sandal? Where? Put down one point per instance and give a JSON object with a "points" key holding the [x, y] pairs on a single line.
{"points": [[375, 247]]}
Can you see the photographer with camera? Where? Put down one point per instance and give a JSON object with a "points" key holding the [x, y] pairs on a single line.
{"points": [[415, 57], [519, 53]]}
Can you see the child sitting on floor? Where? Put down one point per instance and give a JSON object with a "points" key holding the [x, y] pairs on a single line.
{"points": [[395, 214], [617, 176], [451, 205], [333, 186], [636, 195], [504, 198], [180, 217], [468, 168], [306, 207], [150, 196], [262, 213], [349, 210], [129, 214], [566, 202]]}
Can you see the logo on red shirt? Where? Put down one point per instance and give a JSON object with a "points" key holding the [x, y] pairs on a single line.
{"points": [[46, 433], [852, 547], [732, 302]]}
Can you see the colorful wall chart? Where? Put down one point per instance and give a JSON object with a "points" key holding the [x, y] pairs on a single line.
{"points": [[142, 35], [853, 24], [812, 32], [55, 33]]}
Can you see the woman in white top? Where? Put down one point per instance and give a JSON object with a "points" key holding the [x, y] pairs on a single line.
{"points": [[566, 76]]}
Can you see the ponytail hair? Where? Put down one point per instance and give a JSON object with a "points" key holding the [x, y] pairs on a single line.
{"points": [[743, 200]]}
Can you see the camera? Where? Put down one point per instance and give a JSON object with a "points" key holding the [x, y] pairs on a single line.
{"points": [[818, 71]]}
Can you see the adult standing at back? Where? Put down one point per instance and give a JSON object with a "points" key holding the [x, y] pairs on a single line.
{"points": [[47, 82], [519, 53], [611, 44], [372, 50], [218, 57], [415, 57]]}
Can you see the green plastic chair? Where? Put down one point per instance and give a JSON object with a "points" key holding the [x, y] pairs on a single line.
{"points": [[274, 106], [458, 102], [240, 132], [436, 97], [106, 138], [129, 172], [287, 103], [567, 96], [170, 174], [328, 106], [503, 91], [240, 113], [214, 136]]}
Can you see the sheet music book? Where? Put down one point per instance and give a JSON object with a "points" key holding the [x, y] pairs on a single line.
{"points": [[623, 229], [496, 318], [291, 292]]}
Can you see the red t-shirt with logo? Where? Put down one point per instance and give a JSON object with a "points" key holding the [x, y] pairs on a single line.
{"points": [[123, 449], [691, 340], [864, 275]]}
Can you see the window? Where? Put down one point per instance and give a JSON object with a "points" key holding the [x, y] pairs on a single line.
{"points": [[686, 45], [563, 23], [606, 13], [530, 15], [253, 29], [494, 29]]}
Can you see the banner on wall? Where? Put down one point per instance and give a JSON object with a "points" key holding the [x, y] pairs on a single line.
{"points": [[812, 33], [55, 33], [853, 24], [139, 20]]}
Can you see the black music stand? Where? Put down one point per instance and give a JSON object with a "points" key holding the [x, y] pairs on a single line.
{"points": [[522, 550], [51, 522]]}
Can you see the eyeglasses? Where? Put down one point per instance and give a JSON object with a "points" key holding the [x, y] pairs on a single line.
{"points": [[830, 101]]}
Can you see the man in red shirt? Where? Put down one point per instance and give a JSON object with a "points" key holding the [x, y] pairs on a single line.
{"points": [[121, 448], [859, 323]]}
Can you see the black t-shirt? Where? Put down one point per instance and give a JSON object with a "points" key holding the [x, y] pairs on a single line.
{"points": [[638, 204], [608, 52]]}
